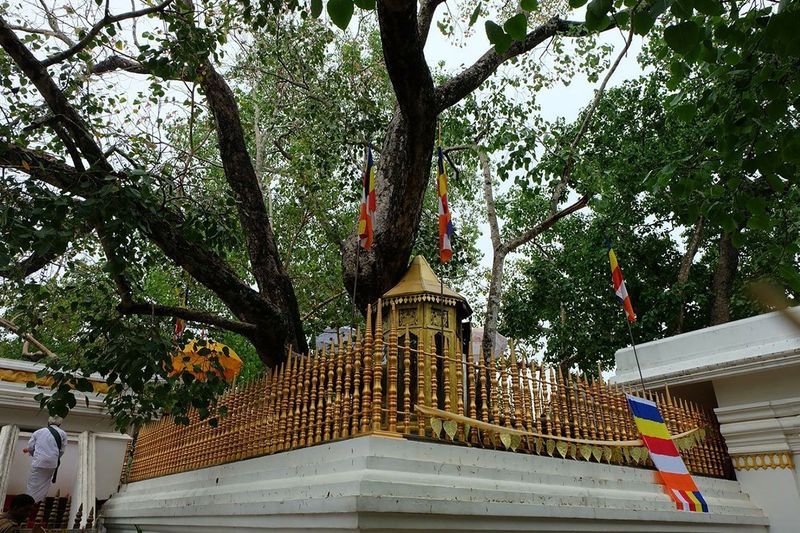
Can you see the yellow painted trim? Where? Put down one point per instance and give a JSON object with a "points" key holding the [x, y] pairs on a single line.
{"points": [[22, 376], [765, 460]]}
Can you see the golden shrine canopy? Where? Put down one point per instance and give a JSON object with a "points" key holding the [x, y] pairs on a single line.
{"points": [[420, 280]]}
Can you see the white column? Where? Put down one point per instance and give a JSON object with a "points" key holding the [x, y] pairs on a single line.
{"points": [[8, 445], [84, 491]]}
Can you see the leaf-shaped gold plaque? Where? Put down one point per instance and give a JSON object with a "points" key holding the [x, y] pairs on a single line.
{"points": [[436, 426], [551, 446], [539, 446], [626, 453], [607, 454], [467, 429], [597, 453], [585, 451], [562, 448], [451, 427], [617, 455], [516, 440], [505, 438]]}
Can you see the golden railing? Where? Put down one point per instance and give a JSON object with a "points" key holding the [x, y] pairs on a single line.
{"points": [[367, 386]]}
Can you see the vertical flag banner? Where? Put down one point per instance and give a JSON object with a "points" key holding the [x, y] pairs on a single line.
{"points": [[674, 476], [619, 286], [445, 222], [366, 218]]}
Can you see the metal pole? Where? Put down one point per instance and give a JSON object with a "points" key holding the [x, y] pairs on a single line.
{"points": [[635, 355]]}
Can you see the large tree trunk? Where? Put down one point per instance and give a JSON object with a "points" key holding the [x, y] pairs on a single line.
{"points": [[724, 276], [405, 163], [683, 272]]}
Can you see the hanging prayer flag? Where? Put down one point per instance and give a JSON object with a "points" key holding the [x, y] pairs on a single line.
{"points": [[671, 469], [366, 218], [445, 222], [619, 286]]}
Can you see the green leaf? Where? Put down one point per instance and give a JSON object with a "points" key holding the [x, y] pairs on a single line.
{"points": [[682, 9], [316, 8], [341, 11], [683, 37], [499, 38], [475, 14], [685, 112], [598, 8], [517, 26], [575, 4], [709, 7], [529, 5], [643, 22], [369, 5]]}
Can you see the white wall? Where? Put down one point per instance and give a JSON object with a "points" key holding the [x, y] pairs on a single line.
{"points": [[757, 387]]}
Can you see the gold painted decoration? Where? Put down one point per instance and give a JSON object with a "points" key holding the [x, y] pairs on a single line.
{"points": [[200, 358], [597, 453], [436, 426], [585, 451], [562, 448], [516, 440], [551, 446], [505, 438], [450, 428]]}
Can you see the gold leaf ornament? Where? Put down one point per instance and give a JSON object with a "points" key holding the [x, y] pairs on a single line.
{"points": [[608, 453], [505, 438], [516, 440], [451, 427], [436, 426], [585, 451], [597, 453], [551, 446], [562, 448]]}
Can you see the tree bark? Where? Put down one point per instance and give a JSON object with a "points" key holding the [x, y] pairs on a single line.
{"points": [[683, 272], [724, 276]]}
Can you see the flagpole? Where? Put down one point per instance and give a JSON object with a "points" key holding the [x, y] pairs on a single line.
{"points": [[635, 355]]}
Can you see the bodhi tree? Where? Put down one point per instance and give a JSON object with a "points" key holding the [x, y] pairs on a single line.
{"points": [[78, 181]]}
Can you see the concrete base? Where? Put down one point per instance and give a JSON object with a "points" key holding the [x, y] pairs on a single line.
{"points": [[379, 484]]}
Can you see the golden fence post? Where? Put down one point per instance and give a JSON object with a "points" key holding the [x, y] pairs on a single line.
{"points": [[377, 373], [459, 363], [555, 401], [323, 373], [620, 402], [355, 425], [329, 395], [434, 365], [391, 372], [275, 423], [348, 371], [312, 400], [298, 399], [263, 435], [608, 410], [446, 376], [482, 379], [366, 397], [338, 398], [515, 377], [287, 437], [284, 404], [407, 382], [505, 392], [527, 402], [494, 379], [302, 438], [536, 401], [421, 382]]}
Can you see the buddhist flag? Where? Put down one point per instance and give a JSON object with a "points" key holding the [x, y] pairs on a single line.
{"points": [[366, 218], [445, 222], [619, 286], [674, 476]]}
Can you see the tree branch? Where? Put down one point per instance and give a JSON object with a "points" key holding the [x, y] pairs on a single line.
{"points": [[115, 62], [454, 90], [107, 20], [427, 11], [546, 224], [488, 196], [566, 174], [405, 58], [26, 337], [193, 315]]}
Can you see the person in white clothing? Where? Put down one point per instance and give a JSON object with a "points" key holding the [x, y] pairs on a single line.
{"points": [[46, 446]]}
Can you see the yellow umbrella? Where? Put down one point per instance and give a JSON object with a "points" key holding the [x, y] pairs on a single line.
{"points": [[203, 357]]}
